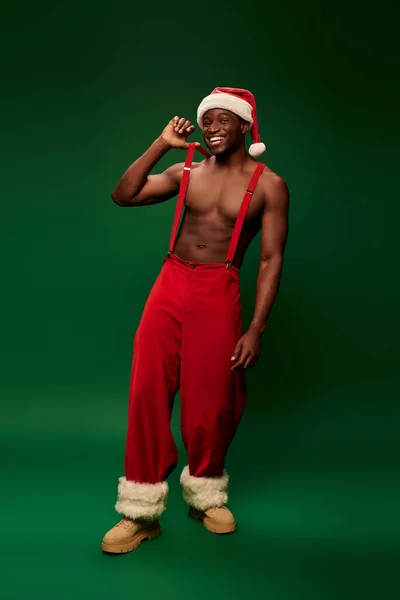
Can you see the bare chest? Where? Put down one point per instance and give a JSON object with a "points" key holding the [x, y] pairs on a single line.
{"points": [[211, 195]]}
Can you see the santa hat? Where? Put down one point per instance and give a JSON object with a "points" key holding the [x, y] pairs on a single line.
{"points": [[240, 102]]}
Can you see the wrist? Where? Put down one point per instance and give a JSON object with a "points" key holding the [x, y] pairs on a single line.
{"points": [[163, 144], [257, 328]]}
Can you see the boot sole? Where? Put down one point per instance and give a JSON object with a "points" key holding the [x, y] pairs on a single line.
{"points": [[149, 534], [209, 525]]}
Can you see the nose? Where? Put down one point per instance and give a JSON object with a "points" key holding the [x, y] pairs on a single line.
{"points": [[214, 127]]}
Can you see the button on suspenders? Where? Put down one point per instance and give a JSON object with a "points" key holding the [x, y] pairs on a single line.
{"points": [[242, 211]]}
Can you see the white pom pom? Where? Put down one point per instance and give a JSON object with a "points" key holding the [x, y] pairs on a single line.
{"points": [[257, 149]]}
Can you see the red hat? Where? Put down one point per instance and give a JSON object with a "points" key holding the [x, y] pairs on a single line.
{"points": [[240, 102]]}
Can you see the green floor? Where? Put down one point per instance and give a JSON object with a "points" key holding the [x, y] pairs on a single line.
{"points": [[316, 500]]}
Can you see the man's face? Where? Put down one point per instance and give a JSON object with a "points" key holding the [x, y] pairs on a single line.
{"points": [[223, 130]]}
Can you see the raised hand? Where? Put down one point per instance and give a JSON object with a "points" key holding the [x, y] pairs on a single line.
{"points": [[176, 133]]}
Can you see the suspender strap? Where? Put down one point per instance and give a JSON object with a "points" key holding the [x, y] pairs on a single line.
{"points": [[203, 151], [242, 214], [181, 195], [183, 190]]}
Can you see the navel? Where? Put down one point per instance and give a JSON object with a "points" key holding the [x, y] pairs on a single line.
{"points": [[200, 246]]}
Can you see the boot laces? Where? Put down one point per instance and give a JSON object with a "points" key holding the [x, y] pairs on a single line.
{"points": [[125, 523], [214, 508]]}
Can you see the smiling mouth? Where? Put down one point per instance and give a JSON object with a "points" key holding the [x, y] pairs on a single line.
{"points": [[216, 140]]}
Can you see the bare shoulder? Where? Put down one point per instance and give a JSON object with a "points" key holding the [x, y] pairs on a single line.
{"points": [[275, 189]]}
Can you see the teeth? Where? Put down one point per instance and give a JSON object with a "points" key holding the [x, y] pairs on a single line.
{"points": [[216, 139]]}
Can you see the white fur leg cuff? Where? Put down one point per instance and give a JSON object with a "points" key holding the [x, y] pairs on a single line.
{"points": [[141, 500], [204, 492]]}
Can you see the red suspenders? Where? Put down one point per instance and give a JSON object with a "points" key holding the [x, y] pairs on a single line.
{"points": [[181, 195], [237, 230], [242, 212]]}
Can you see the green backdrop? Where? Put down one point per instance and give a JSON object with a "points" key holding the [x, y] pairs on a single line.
{"points": [[86, 87]]}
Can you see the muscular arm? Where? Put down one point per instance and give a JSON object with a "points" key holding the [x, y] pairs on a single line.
{"points": [[274, 231], [138, 188]]}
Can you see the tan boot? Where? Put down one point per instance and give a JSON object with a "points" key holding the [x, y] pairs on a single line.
{"points": [[128, 534], [217, 520]]}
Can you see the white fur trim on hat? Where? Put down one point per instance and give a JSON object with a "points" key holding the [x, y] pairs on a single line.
{"points": [[257, 149], [236, 105], [204, 492], [141, 500]]}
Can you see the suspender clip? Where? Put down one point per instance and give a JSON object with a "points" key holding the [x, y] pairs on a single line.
{"points": [[228, 264]]}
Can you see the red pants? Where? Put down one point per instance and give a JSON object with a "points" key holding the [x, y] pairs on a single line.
{"points": [[189, 329]]}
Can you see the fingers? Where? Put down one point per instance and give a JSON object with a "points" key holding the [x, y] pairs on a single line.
{"points": [[186, 128], [251, 361], [239, 356], [245, 360], [246, 354], [187, 125], [182, 125], [236, 351]]}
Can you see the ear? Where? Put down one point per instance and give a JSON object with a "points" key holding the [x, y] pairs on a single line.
{"points": [[245, 127]]}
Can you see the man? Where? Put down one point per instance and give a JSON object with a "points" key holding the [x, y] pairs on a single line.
{"points": [[190, 334]]}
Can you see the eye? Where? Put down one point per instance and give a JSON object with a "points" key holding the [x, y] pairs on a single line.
{"points": [[224, 120]]}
